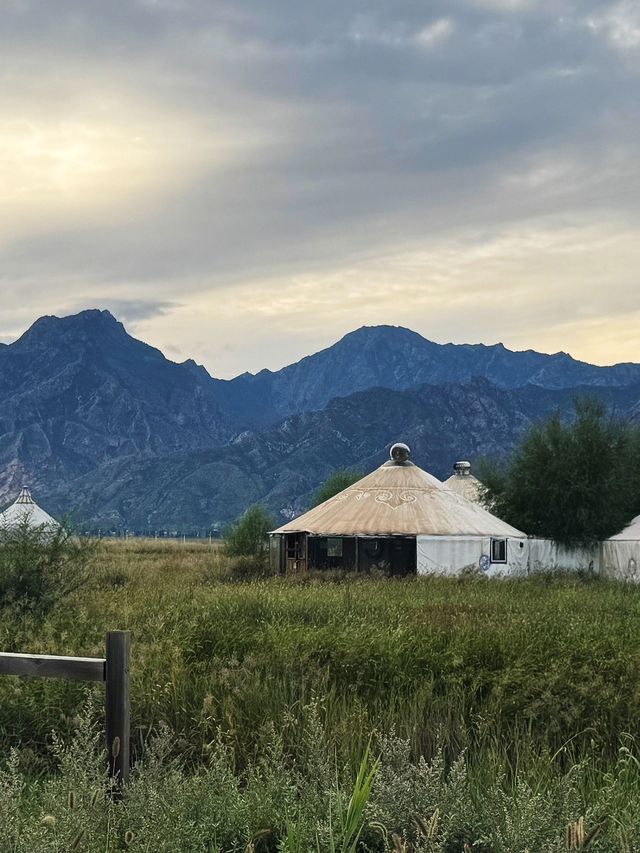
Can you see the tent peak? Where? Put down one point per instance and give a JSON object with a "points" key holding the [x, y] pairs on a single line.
{"points": [[25, 496], [462, 468], [400, 452]]}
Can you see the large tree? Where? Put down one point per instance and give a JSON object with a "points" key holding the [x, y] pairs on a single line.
{"points": [[575, 482]]}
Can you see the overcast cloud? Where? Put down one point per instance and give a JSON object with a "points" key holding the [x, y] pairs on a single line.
{"points": [[243, 182]]}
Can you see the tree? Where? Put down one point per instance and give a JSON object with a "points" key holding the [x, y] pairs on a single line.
{"points": [[248, 535], [337, 482], [576, 483]]}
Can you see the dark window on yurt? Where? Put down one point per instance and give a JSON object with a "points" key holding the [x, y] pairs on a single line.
{"points": [[392, 555], [498, 550], [332, 552], [334, 547]]}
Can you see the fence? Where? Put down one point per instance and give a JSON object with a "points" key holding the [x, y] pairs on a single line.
{"points": [[112, 670]]}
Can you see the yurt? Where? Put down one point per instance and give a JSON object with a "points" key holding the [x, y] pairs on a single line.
{"points": [[24, 508], [463, 482], [621, 553], [399, 519]]}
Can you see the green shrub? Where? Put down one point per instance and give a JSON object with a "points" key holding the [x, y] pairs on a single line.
{"points": [[248, 566], [40, 566], [249, 535]]}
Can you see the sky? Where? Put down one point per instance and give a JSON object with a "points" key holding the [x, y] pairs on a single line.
{"points": [[243, 182]]}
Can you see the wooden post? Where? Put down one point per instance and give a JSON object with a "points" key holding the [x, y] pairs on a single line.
{"points": [[117, 701]]}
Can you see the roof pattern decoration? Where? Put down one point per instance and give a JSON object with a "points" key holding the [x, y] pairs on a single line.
{"points": [[399, 499]]}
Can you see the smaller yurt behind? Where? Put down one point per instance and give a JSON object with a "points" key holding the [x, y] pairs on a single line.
{"points": [[621, 553], [24, 508], [463, 482]]}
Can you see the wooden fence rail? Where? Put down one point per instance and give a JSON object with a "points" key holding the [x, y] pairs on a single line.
{"points": [[112, 670]]}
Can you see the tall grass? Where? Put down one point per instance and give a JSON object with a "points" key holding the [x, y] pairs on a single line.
{"points": [[512, 667], [521, 689], [282, 805]]}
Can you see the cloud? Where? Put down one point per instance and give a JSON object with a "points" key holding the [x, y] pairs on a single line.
{"points": [[197, 156], [620, 23], [132, 311], [434, 33], [537, 285]]}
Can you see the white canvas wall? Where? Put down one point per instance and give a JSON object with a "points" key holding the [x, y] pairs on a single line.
{"points": [[451, 555], [621, 559], [547, 556]]}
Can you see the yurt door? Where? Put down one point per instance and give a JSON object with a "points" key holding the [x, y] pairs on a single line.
{"points": [[296, 552]]}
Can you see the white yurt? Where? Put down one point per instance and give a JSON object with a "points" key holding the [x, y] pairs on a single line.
{"points": [[400, 519], [463, 482], [24, 508], [621, 553]]}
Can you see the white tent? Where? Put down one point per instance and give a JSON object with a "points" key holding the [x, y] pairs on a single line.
{"points": [[463, 482], [400, 501], [621, 553], [24, 508], [631, 533]]}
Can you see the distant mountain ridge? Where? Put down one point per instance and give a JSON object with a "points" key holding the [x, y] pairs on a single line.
{"points": [[100, 422], [283, 465], [397, 358]]}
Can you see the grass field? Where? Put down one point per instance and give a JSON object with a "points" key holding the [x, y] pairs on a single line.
{"points": [[501, 711]]}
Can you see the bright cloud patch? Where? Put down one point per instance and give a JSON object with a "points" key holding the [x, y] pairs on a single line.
{"points": [[248, 181]]}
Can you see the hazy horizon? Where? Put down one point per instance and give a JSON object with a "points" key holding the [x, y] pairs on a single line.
{"points": [[243, 183]]}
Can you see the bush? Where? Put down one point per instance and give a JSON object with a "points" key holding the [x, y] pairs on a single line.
{"points": [[40, 566], [249, 535]]}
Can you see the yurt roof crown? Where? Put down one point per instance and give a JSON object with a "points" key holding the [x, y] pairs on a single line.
{"points": [[462, 469]]}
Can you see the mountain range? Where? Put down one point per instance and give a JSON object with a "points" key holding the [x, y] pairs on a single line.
{"points": [[104, 427]]}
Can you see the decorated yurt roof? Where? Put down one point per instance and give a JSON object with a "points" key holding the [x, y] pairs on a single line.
{"points": [[399, 499], [463, 482], [24, 507], [631, 532]]}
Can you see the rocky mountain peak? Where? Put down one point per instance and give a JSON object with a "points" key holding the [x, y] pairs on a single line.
{"points": [[93, 326]]}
